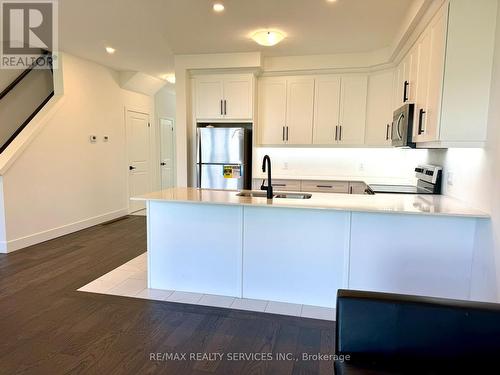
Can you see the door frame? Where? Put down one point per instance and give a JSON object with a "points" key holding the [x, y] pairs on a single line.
{"points": [[142, 111], [174, 153]]}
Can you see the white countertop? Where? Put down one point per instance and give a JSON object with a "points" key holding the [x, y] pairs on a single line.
{"points": [[383, 203]]}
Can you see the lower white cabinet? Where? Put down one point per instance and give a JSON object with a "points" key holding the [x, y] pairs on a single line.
{"points": [[278, 185], [325, 186], [294, 255], [411, 254]]}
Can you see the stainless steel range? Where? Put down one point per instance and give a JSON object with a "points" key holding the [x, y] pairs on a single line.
{"points": [[429, 182]]}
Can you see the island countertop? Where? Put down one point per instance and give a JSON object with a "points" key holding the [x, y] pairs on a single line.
{"points": [[436, 205]]}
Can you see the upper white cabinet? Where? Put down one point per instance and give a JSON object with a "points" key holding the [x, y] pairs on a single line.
{"points": [[299, 113], [285, 110], [353, 110], [303, 110], [379, 109], [224, 97], [455, 57], [340, 110], [326, 110]]}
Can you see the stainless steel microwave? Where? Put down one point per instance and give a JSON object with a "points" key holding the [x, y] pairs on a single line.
{"points": [[402, 126]]}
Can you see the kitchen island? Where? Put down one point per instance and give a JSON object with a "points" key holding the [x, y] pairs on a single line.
{"points": [[303, 250]]}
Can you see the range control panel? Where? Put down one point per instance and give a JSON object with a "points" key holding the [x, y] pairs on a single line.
{"points": [[428, 172]]}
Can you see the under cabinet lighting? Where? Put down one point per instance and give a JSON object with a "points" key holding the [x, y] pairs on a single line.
{"points": [[170, 78]]}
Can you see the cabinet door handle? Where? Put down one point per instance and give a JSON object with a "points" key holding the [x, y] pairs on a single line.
{"points": [[225, 106], [280, 185], [421, 114], [336, 132], [405, 91], [221, 108], [387, 133], [324, 186], [340, 132], [287, 133], [283, 134], [350, 189]]}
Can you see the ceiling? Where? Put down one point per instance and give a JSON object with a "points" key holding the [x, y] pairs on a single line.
{"points": [[147, 33]]}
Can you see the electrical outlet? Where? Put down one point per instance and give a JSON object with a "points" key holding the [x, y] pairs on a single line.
{"points": [[285, 165], [449, 178], [361, 167]]}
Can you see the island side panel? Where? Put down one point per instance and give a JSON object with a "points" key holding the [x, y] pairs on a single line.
{"points": [[295, 255], [412, 254], [195, 247]]}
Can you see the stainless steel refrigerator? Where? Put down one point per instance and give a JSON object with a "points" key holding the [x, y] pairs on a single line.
{"points": [[224, 157]]}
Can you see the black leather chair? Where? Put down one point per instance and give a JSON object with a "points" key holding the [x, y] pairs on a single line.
{"points": [[381, 333]]}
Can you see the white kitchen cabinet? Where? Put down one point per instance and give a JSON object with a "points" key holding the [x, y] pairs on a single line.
{"points": [[299, 111], [294, 255], [209, 94], [325, 186], [379, 109], [352, 119], [272, 110], [285, 110], [357, 187], [326, 109], [278, 184], [340, 110], [455, 57], [224, 97]]}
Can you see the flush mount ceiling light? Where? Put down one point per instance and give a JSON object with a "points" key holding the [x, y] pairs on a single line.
{"points": [[218, 7], [110, 50], [170, 78], [268, 37]]}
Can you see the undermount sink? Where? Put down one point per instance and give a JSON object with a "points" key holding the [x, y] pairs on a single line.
{"points": [[262, 194]]}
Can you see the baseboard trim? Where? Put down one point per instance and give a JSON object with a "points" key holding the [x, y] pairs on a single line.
{"points": [[36, 238]]}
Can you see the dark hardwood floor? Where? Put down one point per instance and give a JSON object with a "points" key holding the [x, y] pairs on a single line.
{"points": [[47, 327]]}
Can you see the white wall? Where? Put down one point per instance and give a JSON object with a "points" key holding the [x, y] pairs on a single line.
{"points": [[62, 182], [368, 164], [476, 180]]}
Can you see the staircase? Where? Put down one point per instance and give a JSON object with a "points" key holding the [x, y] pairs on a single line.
{"points": [[22, 99]]}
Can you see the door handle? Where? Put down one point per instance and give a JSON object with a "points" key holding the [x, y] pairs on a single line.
{"points": [[336, 132], [131, 168], [340, 132], [225, 107], [283, 134], [221, 107], [387, 133], [163, 164], [287, 133], [405, 91], [421, 121]]}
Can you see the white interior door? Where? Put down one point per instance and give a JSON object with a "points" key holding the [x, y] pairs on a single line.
{"points": [[138, 151], [166, 153]]}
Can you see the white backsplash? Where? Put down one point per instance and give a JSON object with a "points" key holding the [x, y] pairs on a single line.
{"points": [[369, 164]]}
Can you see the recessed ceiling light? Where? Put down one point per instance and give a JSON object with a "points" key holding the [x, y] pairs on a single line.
{"points": [[218, 7], [110, 50], [170, 78], [331, 1], [268, 37]]}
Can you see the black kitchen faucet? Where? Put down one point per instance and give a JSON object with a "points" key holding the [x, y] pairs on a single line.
{"points": [[269, 186]]}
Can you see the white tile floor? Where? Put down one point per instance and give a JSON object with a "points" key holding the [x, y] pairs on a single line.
{"points": [[130, 280]]}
